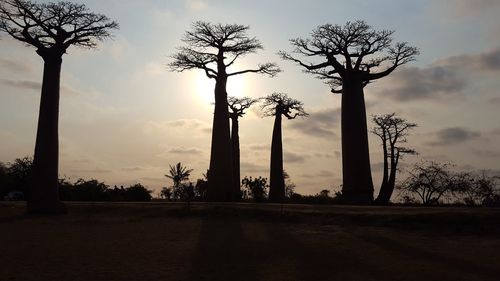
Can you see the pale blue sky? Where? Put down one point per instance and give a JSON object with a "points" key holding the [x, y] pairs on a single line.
{"points": [[124, 117]]}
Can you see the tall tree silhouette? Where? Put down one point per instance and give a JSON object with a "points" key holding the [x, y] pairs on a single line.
{"points": [[214, 48], [392, 130], [351, 56], [278, 105], [237, 107], [51, 29]]}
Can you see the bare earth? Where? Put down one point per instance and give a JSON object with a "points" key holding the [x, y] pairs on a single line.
{"points": [[167, 241]]}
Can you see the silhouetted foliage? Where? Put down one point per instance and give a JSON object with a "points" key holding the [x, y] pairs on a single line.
{"points": [[94, 190], [256, 188], [51, 28], [392, 131], [323, 197], [237, 107], [214, 48], [179, 175], [278, 105], [166, 193], [200, 189], [351, 56], [289, 185], [16, 176], [432, 181]]}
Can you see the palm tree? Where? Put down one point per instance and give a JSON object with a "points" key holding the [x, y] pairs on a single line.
{"points": [[178, 174]]}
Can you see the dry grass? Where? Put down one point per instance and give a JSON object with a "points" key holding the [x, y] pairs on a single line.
{"points": [[105, 241]]}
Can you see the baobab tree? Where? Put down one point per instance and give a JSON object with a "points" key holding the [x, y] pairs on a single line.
{"points": [[237, 107], [348, 58], [278, 105], [51, 28], [392, 131], [214, 48]]}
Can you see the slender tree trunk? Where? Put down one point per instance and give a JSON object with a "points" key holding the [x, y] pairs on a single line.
{"points": [[43, 195], [235, 154], [277, 181], [381, 198], [220, 178], [392, 178], [357, 179]]}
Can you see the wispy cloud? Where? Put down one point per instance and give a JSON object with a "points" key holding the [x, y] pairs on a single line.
{"points": [[454, 135], [15, 66], [320, 124]]}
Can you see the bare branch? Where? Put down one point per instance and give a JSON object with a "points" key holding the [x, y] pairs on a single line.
{"points": [[354, 49], [54, 27], [270, 69], [280, 103], [208, 46], [238, 106]]}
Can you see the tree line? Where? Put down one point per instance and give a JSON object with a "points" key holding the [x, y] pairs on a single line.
{"points": [[15, 181], [346, 57]]}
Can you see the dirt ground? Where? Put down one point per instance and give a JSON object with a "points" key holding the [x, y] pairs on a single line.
{"points": [[106, 241]]}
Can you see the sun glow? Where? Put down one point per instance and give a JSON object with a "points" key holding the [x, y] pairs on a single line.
{"points": [[204, 87]]}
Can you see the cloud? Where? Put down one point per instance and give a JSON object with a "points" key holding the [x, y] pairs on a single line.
{"points": [[34, 86], [197, 5], [454, 135], [318, 124], [185, 151], [15, 66], [320, 174], [471, 8], [486, 62], [430, 83], [247, 167], [443, 80], [291, 157], [91, 171], [259, 147], [132, 169], [189, 124], [486, 153], [22, 84]]}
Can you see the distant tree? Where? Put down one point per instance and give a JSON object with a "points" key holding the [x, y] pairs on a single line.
{"points": [[352, 55], [237, 107], [201, 187], [137, 192], [214, 48], [392, 131], [289, 185], [474, 189], [90, 190], [256, 188], [278, 105], [179, 174], [431, 181], [51, 28], [324, 193], [166, 192], [20, 172]]}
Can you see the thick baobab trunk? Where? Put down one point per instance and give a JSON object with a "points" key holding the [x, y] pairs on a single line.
{"points": [[43, 195], [220, 179], [235, 154], [381, 198], [276, 179], [357, 179]]}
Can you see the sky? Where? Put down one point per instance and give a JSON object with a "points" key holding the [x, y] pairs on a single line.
{"points": [[124, 118]]}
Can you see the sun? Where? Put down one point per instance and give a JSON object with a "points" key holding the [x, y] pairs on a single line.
{"points": [[204, 87]]}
